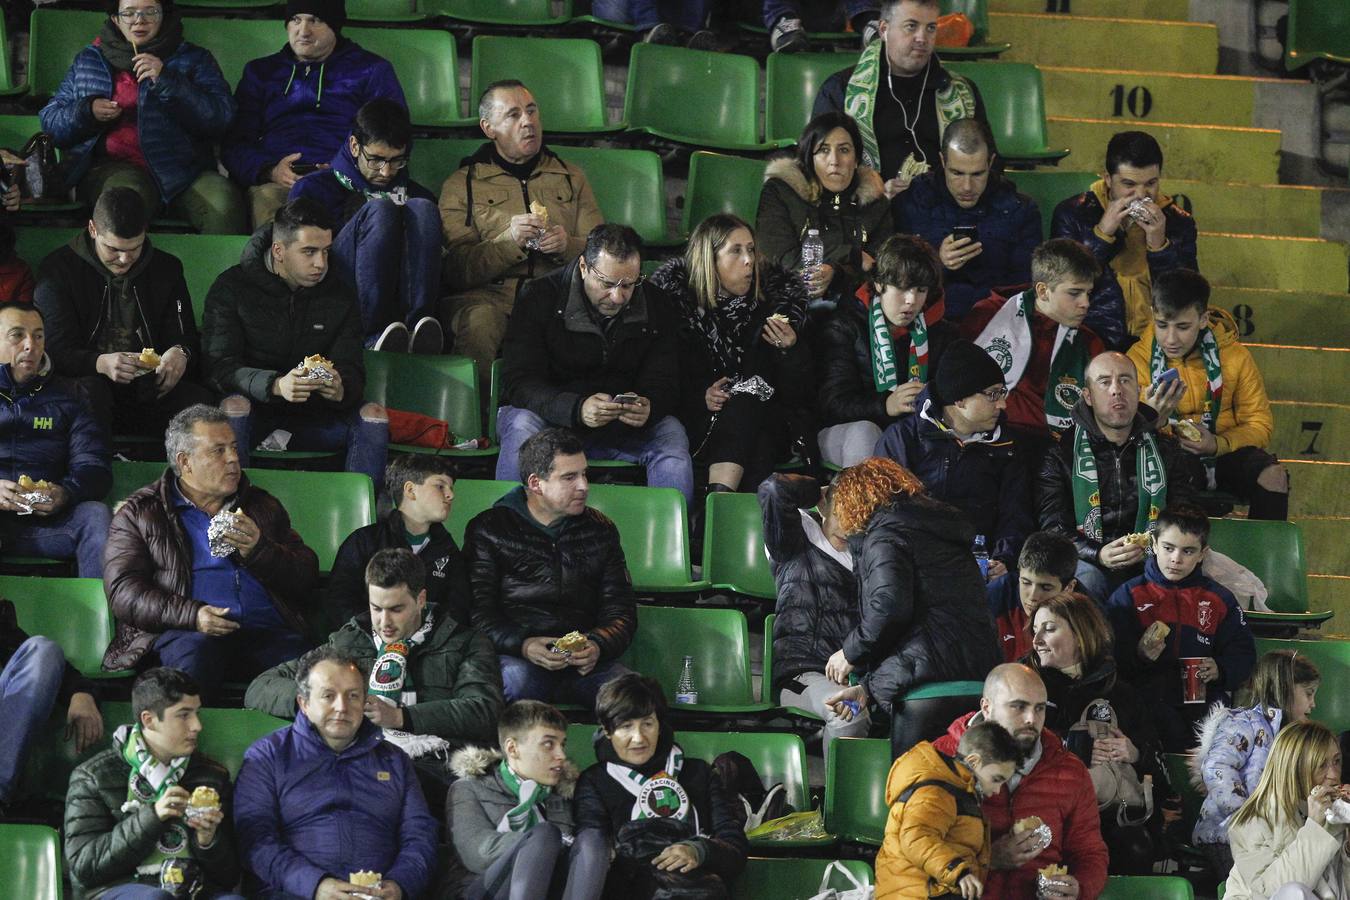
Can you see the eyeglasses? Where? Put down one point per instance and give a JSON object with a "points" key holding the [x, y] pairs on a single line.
{"points": [[610, 285], [994, 395], [379, 162], [140, 15]]}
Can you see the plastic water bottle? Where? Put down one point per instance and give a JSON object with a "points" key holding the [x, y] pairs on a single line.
{"points": [[685, 691], [813, 254], [981, 555]]}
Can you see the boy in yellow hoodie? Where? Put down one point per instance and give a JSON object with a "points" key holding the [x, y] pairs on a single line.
{"points": [[1217, 391], [937, 842]]}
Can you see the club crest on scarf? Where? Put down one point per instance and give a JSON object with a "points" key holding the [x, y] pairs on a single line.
{"points": [[1000, 348], [391, 668], [1067, 392]]}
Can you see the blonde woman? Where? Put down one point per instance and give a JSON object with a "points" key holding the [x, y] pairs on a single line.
{"points": [[1283, 847]]}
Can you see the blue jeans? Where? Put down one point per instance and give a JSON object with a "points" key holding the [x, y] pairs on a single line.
{"points": [[1100, 583], [820, 16], [77, 532], [146, 892], [688, 15], [366, 443], [28, 688], [661, 448], [391, 255], [245, 654], [523, 680]]}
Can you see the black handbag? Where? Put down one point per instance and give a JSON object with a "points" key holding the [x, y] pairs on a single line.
{"points": [[40, 176], [639, 842]]}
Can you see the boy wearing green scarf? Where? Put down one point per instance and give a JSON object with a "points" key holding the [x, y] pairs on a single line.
{"points": [[510, 814], [132, 829]]}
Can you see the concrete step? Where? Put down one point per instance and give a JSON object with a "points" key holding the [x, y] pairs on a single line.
{"points": [[1318, 488], [1138, 45], [1326, 543], [1286, 317], [1331, 592], [1312, 432], [1155, 10], [1287, 210], [1284, 263], [1199, 152], [1309, 375], [1094, 93]]}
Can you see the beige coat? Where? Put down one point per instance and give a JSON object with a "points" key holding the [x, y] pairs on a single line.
{"points": [[1266, 858]]}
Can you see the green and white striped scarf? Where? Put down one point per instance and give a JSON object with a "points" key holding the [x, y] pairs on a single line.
{"points": [[529, 810], [1150, 476], [147, 782]]}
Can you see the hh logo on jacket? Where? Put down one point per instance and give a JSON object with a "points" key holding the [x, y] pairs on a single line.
{"points": [[42, 423]]}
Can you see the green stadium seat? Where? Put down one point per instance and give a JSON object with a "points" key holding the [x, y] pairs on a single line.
{"points": [[628, 186], [653, 526], [501, 12], [565, 75], [227, 4], [1179, 774], [693, 97], [1049, 187], [435, 159], [1274, 552], [384, 11], [427, 69], [855, 789], [792, 81], [324, 507], [226, 733], [71, 611], [779, 878], [472, 496], [980, 45], [54, 37], [719, 642], [1317, 30], [1154, 887], [7, 86], [30, 857], [767, 676], [720, 183], [928, 710], [236, 42], [1014, 101], [1332, 658], [733, 546], [443, 387], [129, 477]]}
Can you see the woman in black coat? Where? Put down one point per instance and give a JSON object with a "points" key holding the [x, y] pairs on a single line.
{"points": [[671, 820], [743, 369]]}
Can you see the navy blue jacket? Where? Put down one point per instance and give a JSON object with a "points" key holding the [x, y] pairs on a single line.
{"points": [[342, 202], [303, 813], [48, 431], [286, 107], [178, 116], [1009, 226], [984, 479]]}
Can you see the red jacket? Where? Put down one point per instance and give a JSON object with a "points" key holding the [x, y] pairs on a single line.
{"points": [[1010, 619], [1060, 791]]}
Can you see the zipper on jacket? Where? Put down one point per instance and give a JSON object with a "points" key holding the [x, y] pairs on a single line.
{"points": [[182, 329], [525, 192]]}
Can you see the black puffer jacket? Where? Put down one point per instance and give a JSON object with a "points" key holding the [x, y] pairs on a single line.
{"points": [[817, 596], [845, 390], [527, 582], [1116, 479], [923, 615]]}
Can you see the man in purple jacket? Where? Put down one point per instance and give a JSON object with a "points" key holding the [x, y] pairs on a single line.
{"points": [[296, 106]]}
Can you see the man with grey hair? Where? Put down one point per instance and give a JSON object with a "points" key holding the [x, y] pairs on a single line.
{"points": [[213, 600], [513, 211], [983, 229], [327, 797]]}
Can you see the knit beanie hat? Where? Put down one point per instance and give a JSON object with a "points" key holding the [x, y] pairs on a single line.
{"points": [[332, 12], [965, 369]]}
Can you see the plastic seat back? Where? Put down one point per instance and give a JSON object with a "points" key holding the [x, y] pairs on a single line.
{"points": [[7, 85], [565, 75], [1273, 551], [1179, 774], [236, 42], [204, 258], [427, 69], [693, 96], [733, 546], [30, 857], [1318, 29], [717, 639], [1049, 188], [1014, 101], [926, 712], [71, 611], [128, 477], [792, 81], [472, 496], [443, 387], [324, 507], [720, 183], [780, 878], [500, 12], [228, 733], [653, 528], [628, 186], [436, 159], [855, 789], [1154, 887], [33, 244], [54, 37], [1332, 658], [384, 10]]}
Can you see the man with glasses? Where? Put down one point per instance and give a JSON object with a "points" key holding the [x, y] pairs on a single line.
{"points": [[297, 105], [388, 245], [585, 350], [957, 444]]}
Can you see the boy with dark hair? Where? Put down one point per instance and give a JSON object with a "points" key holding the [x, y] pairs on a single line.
{"points": [[936, 837], [1218, 393], [1135, 231], [174, 835], [510, 813], [1045, 568], [1173, 624]]}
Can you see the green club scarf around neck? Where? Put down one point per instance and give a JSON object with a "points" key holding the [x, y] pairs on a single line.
{"points": [[1150, 476], [1009, 340], [117, 50], [530, 795], [1209, 355], [884, 373], [146, 783]]}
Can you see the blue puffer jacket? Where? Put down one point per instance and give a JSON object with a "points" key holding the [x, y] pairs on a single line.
{"points": [[1009, 226], [303, 813], [286, 106], [179, 115], [1234, 744], [343, 202], [48, 431]]}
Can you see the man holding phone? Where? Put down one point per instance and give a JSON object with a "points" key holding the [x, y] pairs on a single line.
{"points": [[983, 229]]}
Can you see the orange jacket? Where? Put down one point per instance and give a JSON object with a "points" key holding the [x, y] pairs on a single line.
{"points": [[935, 833], [1244, 409]]}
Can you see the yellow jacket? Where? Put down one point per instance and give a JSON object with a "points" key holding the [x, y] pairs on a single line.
{"points": [[935, 833], [1244, 409]]}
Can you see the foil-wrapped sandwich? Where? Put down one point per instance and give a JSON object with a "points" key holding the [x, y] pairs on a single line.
{"points": [[223, 523], [317, 367], [32, 493]]}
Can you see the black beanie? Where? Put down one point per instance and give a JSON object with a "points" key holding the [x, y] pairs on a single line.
{"points": [[332, 12], [964, 369]]}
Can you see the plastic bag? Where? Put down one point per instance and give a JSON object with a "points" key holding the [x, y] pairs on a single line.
{"points": [[954, 30], [1242, 581], [796, 826], [861, 890]]}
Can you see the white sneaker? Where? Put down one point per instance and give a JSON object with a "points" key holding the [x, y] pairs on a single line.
{"points": [[394, 339], [788, 36], [427, 337]]}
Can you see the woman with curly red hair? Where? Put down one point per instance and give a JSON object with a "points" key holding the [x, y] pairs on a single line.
{"points": [[922, 611]]}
